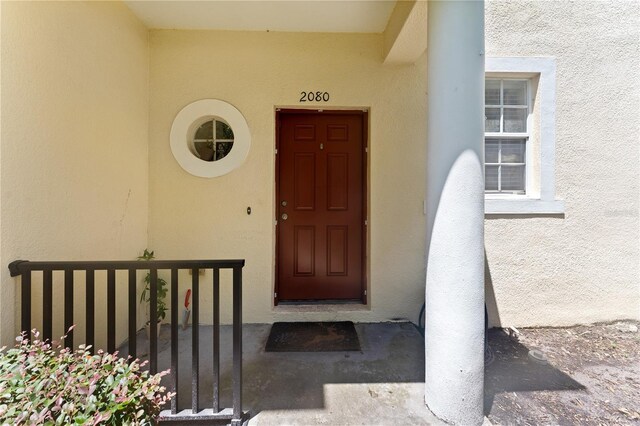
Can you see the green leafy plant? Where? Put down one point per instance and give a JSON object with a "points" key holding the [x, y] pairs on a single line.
{"points": [[163, 288], [41, 383]]}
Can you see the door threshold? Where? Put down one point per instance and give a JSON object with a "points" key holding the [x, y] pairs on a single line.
{"points": [[322, 302], [309, 308]]}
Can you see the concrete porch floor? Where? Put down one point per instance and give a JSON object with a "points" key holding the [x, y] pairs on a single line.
{"points": [[592, 377], [383, 384]]}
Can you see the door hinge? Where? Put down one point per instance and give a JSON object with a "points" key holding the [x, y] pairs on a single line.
{"points": [[366, 222], [276, 151], [365, 292], [366, 150], [275, 295], [275, 223]]}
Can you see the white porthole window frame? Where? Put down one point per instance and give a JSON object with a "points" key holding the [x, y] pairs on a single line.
{"points": [[190, 118], [533, 202]]}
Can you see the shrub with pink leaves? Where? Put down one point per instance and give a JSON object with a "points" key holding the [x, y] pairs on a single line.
{"points": [[42, 383]]}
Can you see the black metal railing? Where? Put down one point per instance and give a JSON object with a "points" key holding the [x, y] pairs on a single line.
{"points": [[234, 415]]}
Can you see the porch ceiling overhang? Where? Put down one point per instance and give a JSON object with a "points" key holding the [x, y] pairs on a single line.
{"points": [[402, 23], [405, 37]]}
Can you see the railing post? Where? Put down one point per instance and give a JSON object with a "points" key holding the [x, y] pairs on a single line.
{"points": [[26, 304], [90, 308], [174, 340], [68, 307], [195, 340], [133, 320], [237, 346], [111, 310], [47, 305], [153, 322], [216, 340]]}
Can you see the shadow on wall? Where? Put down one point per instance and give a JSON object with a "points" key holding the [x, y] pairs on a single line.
{"points": [[513, 371], [490, 296]]}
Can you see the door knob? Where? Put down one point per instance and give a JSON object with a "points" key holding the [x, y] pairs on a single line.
{"points": [[284, 203], [285, 216]]}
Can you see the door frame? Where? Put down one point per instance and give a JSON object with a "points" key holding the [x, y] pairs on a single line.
{"points": [[364, 112]]}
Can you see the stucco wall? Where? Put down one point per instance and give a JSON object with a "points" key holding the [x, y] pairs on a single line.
{"points": [[256, 72], [93, 110], [583, 267], [74, 134]]}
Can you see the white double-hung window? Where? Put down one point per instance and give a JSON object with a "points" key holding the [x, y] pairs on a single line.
{"points": [[506, 135], [520, 107]]}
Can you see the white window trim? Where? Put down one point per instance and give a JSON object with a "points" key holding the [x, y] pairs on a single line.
{"points": [[185, 125], [544, 202]]}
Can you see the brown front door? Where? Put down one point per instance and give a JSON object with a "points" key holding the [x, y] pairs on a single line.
{"points": [[320, 205]]}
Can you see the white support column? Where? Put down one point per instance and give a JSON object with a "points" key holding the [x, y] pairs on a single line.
{"points": [[454, 336]]}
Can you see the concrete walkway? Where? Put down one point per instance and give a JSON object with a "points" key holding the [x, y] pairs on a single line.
{"points": [[381, 385], [592, 377]]}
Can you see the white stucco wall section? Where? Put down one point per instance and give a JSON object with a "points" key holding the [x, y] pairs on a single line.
{"points": [[542, 201], [582, 267]]}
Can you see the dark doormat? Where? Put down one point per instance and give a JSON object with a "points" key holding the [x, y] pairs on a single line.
{"points": [[312, 337]]}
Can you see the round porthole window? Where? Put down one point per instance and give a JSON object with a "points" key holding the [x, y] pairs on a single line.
{"points": [[209, 138], [213, 140]]}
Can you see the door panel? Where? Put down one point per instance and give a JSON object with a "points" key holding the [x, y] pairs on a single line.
{"points": [[305, 132], [304, 241], [337, 249], [337, 133], [337, 182], [304, 181], [320, 251]]}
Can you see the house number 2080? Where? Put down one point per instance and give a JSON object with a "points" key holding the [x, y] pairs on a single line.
{"points": [[314, 96]]}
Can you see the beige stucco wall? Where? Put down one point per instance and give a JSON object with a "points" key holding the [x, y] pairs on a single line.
{"points": [[94, 110], [74, 135], [191, 217], [542, 270], [583, 267]]}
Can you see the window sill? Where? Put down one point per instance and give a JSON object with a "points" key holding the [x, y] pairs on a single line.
{"points": [[522, 206]]}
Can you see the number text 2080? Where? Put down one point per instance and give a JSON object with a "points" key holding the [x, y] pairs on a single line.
{"points": [[314, 96]]}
